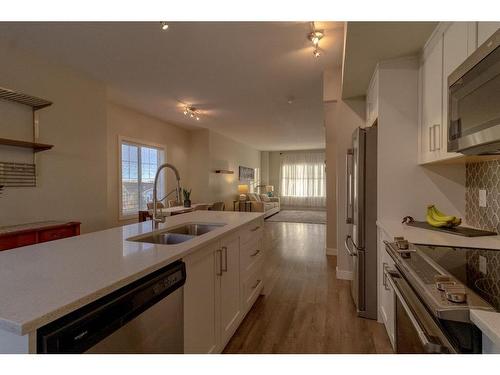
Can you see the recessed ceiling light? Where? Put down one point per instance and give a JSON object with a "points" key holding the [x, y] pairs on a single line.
{"points": [[164, 25]]}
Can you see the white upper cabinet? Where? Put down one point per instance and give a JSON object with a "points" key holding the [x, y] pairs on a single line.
{"points": [[431, 101], [448, 47], [485, 30]]}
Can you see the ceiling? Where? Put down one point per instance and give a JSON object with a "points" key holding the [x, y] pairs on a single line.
{"points": [[367, 43], [239, 74]]}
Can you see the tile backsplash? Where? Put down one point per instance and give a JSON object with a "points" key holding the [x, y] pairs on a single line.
{"points": [[483, 175]]}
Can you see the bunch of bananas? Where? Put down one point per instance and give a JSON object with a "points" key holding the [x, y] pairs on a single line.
{"points": [[437, 219]]}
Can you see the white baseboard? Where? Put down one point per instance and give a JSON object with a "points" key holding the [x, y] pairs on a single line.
{"points": [[330, 251], [344, 275]]}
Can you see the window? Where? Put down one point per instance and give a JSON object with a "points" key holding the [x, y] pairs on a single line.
{"points": [[138, 166], [303, 179]]}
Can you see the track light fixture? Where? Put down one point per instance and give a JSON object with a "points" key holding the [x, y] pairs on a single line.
{"points": [[164, 25], [192, 112], [315, 36]]}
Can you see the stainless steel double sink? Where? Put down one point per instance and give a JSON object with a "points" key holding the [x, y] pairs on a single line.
{"points": [[176, 235]]}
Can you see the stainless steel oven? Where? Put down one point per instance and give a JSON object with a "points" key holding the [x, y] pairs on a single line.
{"points": [[473, 102], [416, 330]]}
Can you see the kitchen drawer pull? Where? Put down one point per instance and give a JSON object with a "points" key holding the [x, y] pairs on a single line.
{"points": [[385, 268], [255, 254], [256, 284], [224, 248], [255, 229], [219, 272]]}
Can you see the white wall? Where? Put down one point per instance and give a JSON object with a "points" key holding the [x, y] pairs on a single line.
{"points": [[404, 187], [226, 153], [71, 176], [125, 122]]}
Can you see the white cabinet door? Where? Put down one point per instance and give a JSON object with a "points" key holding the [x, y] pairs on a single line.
{"points": [[485, 30], [230, 288], [432, 78], [385, 292], [455, 51], [202, 301]]}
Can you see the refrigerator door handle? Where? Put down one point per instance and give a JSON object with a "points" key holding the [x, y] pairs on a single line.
{"points": [[348, 204]]}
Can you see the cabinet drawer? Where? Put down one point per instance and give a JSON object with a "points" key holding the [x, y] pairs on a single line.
{"points": [[252, 230], [250, 253], [55, 234], [252, 286], [17, 240]]}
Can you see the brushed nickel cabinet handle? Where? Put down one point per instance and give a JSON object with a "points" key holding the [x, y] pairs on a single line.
{"points": [[256, 284], [255, 254], [224, 269], [219, 272]]}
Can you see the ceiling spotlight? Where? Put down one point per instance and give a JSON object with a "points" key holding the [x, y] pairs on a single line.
{"points": [[164, 25], [192, 112], [316, 53]]}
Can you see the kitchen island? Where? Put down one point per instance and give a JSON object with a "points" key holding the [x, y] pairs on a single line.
{"points": [[43, 282]]}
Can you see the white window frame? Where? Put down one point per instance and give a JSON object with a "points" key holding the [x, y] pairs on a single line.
{"points": [[136, 142]]}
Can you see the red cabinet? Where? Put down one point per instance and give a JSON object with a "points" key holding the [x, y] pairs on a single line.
{"points": [[29, 234]]}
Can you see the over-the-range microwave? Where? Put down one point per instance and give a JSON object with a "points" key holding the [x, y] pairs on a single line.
{"points": [[474, 102]]}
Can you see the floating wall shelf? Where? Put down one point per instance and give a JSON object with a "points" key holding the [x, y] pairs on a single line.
{"points": [[36, 147], [17, 97], [22, 174], [224, 171]]}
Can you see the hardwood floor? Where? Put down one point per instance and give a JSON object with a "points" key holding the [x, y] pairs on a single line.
{"points": [[305, 309]]}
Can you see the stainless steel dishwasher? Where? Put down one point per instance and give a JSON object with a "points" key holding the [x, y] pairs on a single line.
{"points": [[143, 317]]}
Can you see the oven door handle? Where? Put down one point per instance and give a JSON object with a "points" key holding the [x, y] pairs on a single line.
{"points": [[430, 345], [346, 245]]}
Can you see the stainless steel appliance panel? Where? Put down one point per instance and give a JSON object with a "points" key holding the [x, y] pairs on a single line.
{"points": [[416, 330], [158, 330], [473, 97], [361, 243]]}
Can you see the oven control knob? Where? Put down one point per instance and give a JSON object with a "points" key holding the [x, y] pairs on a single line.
{"points": [[457, 297], [403, 245]]}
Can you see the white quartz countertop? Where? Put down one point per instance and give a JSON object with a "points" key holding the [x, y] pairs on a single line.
{"points": [[488, 322], [40, 283], [430, 237]]}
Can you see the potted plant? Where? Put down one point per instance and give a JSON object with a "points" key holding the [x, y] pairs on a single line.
{"points": [[187, 197]]}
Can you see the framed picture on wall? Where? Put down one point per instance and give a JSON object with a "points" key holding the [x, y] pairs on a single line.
{"points": [[246, 174]]}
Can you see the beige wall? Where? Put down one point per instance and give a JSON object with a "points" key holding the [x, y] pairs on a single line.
{"points": [[125, 122], [226, 153], [199, 165], [71, 176]]}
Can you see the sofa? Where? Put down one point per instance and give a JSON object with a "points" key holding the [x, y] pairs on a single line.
{"points": [[263, 203]]}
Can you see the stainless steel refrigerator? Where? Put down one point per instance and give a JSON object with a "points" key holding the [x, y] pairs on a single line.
{"points": [[361, 215]]}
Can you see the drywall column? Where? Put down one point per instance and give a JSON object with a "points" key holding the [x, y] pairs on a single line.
{"points": [[341, 118]]}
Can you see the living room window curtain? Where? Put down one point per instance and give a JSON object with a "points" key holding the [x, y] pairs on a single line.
{"points": [[303, 179]]}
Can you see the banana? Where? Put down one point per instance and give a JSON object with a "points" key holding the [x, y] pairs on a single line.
{"points": [[437, 219], [438, 216], [435, 223]]}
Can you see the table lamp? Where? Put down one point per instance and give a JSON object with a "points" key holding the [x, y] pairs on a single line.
{"points": [[243, 190], [269, 190]]}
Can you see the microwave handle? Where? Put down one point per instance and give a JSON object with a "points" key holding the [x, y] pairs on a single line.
{"points": [[348, 201], [429, 345]]}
